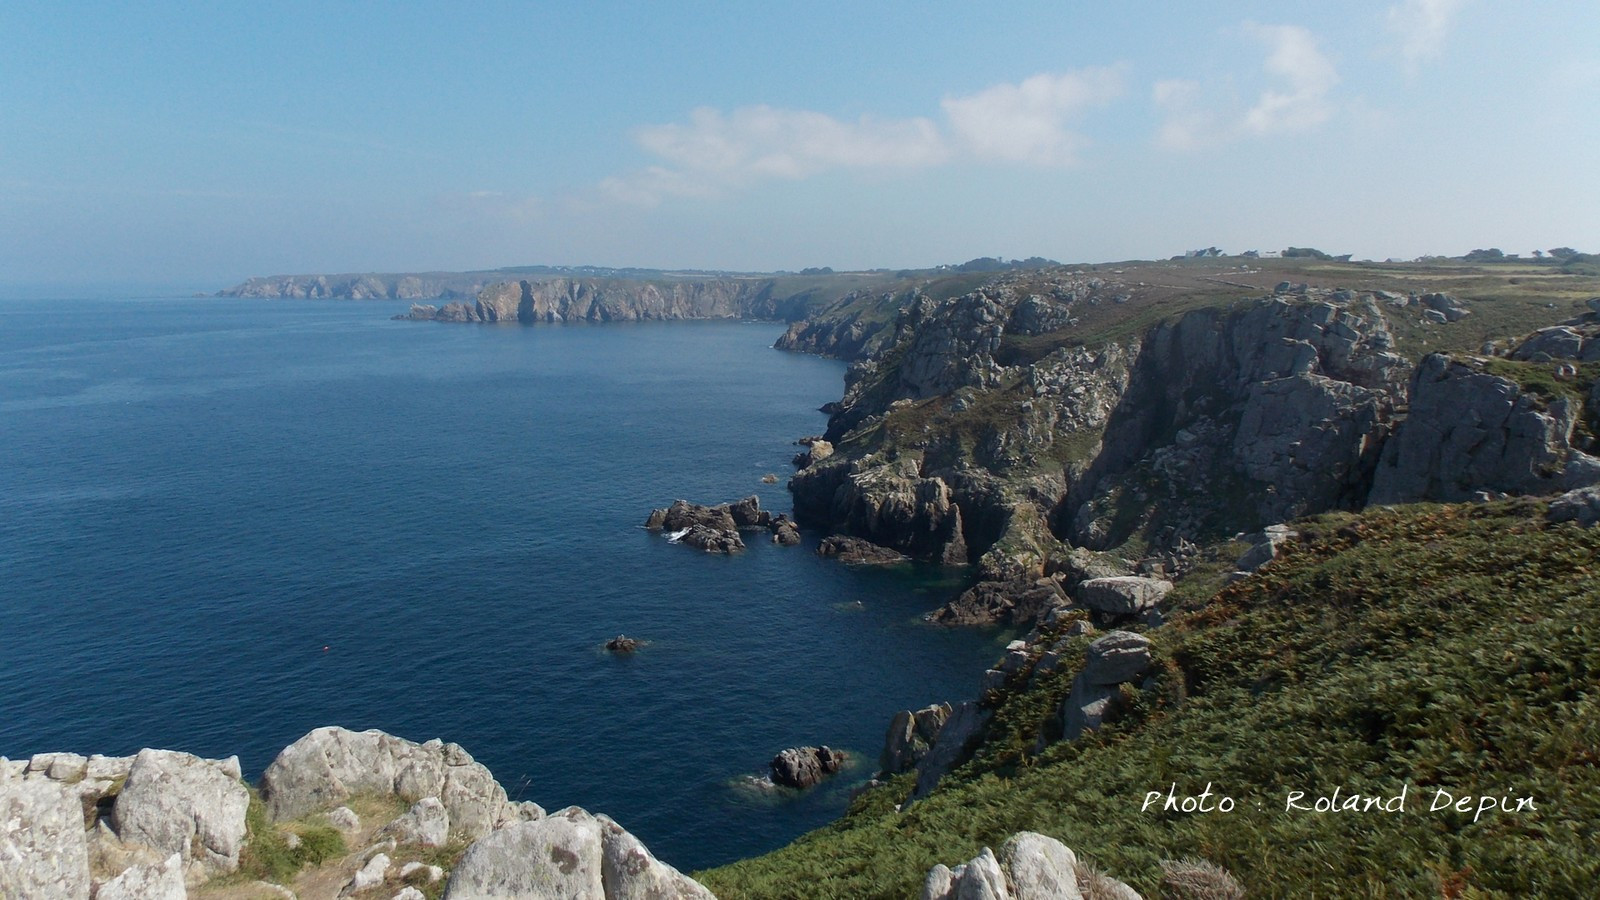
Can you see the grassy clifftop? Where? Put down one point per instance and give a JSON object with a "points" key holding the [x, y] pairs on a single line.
{"points": [[1423, 648]]}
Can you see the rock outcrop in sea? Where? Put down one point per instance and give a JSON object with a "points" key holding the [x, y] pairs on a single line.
{"points": [[160, 823]]}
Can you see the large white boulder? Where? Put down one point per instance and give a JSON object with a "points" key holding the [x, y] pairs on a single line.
{"points": [[330, 764], [1030, 866], [1122, 595], [569, 854], [179, 803]]}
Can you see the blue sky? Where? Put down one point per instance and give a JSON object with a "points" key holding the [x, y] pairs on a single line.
{"points": [[172, 144]]}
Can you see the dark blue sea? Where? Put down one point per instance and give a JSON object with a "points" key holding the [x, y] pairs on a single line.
{"points": [[226, 522]]}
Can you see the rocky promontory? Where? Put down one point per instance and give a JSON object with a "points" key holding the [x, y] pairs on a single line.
{"points": [[162, 823]]}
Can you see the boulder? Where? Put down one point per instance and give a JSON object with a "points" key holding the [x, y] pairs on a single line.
{"points": [[331, 764], [569, 854], [1030, 866], [1557, 342], [425, 823], [147, 882], [1122, 595], [816, 451], [802, 767], [1264, 547], [1581, 505], [1448, 307], [1118, 657], [43, 851], [179, 803], [1016, 602], [856, 550], [345, 819], [371, 875], [911, 736]]}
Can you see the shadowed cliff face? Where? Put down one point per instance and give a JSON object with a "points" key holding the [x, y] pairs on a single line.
{"points": [[1010, 424]]}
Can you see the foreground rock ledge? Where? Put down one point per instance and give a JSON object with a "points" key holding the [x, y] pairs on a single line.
{"points": [[173, 821]]}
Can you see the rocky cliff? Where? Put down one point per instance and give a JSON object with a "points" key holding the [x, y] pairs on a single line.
{"points": [[431, 818], [366, 286], [594, 300], [1047, 413]]}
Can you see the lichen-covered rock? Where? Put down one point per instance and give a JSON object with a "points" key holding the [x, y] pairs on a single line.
{"points": [[1122, 595], [569, 854], [147, 882], [43, 852], [629, 871], [179, 803], [331, 764]]}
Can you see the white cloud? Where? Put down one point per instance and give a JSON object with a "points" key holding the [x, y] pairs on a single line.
{"points": [[1305, 73], [715, 151], [1027, 122], [1421, 26], [1300, 76]]}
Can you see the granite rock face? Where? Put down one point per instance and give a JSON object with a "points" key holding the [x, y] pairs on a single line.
{"points": [[569, 854], [1469, 431], [43, 852], [331, 764], [179, 803]]}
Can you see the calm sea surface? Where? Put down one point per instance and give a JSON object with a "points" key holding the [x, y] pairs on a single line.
{"points": [[226, 522]]}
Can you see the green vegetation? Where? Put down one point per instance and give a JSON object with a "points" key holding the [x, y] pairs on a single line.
{"points": [[1425, 648], [267, 855]]}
